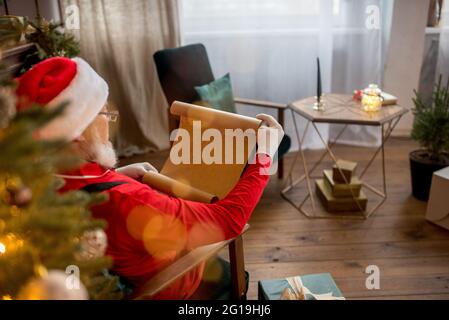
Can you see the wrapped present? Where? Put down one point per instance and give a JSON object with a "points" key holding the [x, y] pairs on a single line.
{"points": [[438, 206], [343, 170], [308, 287], [334, 204], [387, 99], [341, 190]]}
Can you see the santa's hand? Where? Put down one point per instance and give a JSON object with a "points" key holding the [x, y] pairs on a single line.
{"points": [[136, 170], [269, 136]]}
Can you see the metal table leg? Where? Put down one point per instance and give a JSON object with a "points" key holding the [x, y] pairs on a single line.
{"points": [[385, 134]]}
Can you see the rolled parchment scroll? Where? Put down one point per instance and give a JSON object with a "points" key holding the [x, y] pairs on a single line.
{"points": [[219, 147]]}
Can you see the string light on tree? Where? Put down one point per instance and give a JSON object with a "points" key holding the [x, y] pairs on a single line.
{"points": [[2, 248]]}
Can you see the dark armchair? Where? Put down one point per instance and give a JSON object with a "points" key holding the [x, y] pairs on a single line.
{"points": [[181, 69]]}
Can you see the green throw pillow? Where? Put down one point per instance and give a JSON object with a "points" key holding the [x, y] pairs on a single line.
{"points": [[218, 94]]}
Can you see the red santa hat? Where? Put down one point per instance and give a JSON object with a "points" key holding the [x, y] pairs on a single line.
{"points": [[58, 80]]}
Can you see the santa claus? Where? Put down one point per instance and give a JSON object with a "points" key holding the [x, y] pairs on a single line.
{"points": [[147, 230]]}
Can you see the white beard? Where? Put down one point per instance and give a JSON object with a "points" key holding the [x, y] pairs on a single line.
{"points": [[101, 153], [105, 155]]}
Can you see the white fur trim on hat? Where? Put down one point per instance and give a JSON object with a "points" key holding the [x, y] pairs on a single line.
{"points": [[86, 95]]}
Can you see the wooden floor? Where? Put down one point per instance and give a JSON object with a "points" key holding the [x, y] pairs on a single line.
{"points": [[412, 254]]}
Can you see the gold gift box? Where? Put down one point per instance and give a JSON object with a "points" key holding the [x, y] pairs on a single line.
{"points": [[334, 204], [340, 190]]}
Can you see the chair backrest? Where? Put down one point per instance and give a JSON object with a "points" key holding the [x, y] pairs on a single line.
{"points": [[181, 69]]}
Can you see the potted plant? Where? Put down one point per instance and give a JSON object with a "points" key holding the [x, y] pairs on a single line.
{"points": [[431, 130]]}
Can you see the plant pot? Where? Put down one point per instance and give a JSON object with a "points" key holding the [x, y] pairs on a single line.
{"points": [[422, 169]]}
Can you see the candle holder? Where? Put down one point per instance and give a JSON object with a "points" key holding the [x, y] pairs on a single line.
{"points": [[319, 104]]}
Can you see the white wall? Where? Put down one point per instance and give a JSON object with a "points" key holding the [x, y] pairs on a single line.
{"points": [[405, 55]]}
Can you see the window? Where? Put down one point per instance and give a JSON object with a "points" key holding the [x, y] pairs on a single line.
{"points": [[251, 15]]}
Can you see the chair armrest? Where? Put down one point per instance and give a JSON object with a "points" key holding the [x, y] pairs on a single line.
{"points": [[181, 266], [281, 119], [260, 103]]}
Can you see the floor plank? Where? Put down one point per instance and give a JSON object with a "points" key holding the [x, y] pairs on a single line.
{"points": [[412, 254], [326, 237], [355, 267]]}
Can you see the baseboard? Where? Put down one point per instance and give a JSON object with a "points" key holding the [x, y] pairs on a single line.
{"points": [[401, 133]]}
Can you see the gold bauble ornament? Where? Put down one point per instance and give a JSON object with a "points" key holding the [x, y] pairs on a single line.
{"points": [[20, 196], [93, 244]]}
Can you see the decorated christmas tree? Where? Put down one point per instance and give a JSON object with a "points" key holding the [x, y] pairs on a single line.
{"points": [[50, 246], [48, 37]]}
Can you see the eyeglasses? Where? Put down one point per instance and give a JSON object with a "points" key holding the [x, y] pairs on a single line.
{"points": [[111, 115]]}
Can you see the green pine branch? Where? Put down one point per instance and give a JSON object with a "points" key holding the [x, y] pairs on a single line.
{"points": [[431, 122], [48, 37], [46, 228]]}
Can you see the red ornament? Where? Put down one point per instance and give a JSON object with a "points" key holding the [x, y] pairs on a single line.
{"points": [[357, 95], [19, 196]]}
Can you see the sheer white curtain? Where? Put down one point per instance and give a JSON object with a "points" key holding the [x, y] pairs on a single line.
{"points": [[270, 48]]}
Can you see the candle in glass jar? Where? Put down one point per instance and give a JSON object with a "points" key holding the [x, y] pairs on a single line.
{"points": [[372, 98]]}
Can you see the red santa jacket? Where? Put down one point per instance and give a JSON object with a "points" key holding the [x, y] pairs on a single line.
{"points": [[148, 230]]}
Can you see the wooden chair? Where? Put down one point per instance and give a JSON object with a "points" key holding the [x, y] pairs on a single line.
{"points": [[192, 259], [181, 69]]}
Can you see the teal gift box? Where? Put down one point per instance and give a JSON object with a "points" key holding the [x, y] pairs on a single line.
{"points": [[317, 283]]}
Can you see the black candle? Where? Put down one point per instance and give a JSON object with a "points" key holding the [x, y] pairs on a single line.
{"points": [[318, 86]]}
